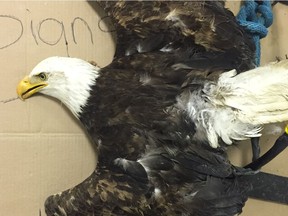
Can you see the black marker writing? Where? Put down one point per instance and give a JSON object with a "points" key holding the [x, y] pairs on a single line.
{"points": [[39, 31], [85, 23], [20, 26], [33, 33], [105, 21], [51, 20]]}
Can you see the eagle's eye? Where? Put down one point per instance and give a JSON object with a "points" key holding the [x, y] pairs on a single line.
{"points": [[42, 76]]}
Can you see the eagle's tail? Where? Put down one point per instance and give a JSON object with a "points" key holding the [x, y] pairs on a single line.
{"points": [[241, 103], [258, 96]]}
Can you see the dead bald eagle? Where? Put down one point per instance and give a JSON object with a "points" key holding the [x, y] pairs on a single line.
{"points": [[161, 118], [152, 133]]}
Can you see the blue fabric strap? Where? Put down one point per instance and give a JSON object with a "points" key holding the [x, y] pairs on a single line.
{"points": [[256, 17]]}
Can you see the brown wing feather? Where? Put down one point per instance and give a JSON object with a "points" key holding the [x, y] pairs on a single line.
{"points": [[204, 23]]}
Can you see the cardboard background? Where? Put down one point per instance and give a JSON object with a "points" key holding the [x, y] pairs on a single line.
{"points": [[42, 148]]}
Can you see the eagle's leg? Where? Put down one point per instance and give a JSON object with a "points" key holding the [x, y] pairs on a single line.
{"points": [[255, 148], [280, 144]]}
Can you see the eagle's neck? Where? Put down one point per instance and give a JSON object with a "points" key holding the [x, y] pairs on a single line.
{"points": [[75, 89], [78, 98]]}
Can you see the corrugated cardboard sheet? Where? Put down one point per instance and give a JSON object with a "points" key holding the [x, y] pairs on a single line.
{"points": [[42, 148]]}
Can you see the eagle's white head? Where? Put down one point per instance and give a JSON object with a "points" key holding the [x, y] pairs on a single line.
{"points": [[67, 79]]}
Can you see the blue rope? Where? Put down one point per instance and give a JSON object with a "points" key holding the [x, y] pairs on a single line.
{"points": [[256, 17]]}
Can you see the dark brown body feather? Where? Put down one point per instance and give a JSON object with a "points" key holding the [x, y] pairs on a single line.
{"points": [[149, 162]]}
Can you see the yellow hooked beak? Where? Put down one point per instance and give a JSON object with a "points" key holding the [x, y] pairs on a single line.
{"points": [[26, 89]]}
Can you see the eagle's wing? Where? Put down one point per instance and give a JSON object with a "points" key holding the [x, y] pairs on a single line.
{"points": [[184, 184], [143, 26]]}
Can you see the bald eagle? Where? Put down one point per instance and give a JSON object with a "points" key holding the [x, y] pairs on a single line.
{"points": [[162, 113]]}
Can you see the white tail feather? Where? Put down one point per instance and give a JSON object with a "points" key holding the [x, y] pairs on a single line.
{"points": [[258, 96], [235, 107], [213, 121]]}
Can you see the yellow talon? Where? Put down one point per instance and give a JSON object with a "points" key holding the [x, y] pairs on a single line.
{"points": [[286, 129]]}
